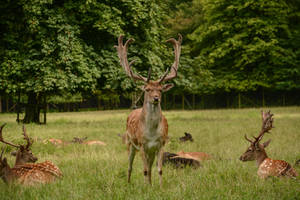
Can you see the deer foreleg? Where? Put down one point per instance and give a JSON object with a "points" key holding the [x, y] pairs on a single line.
{"points": [[148, 162], [130, 159]]}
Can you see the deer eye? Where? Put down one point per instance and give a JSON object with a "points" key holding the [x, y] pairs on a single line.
{"points": [[147, 89]]}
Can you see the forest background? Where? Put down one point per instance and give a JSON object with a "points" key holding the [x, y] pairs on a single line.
{"points": [[60, 55]]}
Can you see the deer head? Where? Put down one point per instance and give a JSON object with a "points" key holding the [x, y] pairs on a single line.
{"points": [[23, 154], [256, 151], [78, 140], [152, 89]]}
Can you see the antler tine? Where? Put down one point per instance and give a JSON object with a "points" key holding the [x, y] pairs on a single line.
{"points": [[248, 139], [267, 124], [2, 140], [122, 53], [29, 143], [149, 74], [177, 51]]}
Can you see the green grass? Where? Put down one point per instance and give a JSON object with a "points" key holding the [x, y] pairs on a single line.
{"points": [[99, 172]]}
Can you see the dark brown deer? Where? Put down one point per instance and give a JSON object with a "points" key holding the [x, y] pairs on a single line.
{"points": [[186, 137], [178, 161], [256, 151], [27, 173], [24, 153], [147, 128]]}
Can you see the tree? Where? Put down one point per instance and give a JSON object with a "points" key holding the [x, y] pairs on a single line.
{"points": [[42, 53], [54, 47], [245, 44]]}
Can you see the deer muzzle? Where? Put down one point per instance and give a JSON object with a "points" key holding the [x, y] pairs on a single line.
{"points": [[155, 100]]}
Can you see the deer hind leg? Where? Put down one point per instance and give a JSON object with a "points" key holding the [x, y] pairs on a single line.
{"points": [[131, 156], [159, 165]]}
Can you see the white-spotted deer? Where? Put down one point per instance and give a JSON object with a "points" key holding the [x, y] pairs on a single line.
{"points": [[27, 173], [256, 151], [147, 128]]}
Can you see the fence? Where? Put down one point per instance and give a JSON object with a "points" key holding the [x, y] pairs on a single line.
{"points": [[173, 101]]}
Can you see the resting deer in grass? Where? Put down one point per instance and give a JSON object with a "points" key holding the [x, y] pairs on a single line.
{"points": [[256, 151], [199, 156], [27, 173], [76, 140], [147, 128]]}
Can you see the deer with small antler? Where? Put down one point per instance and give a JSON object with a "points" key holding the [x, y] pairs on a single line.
{"points": [[147, 128], [256, 151], [26, 173]]}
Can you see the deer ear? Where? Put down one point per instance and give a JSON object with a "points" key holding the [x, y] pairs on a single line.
{"points": [[266, 143], [168, 86]]}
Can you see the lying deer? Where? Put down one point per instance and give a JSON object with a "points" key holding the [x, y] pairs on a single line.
{"points": [[178, 161], [27, 173], [75, 140], [186, 137], [147, 128], [199, 156], [256, 151], [90, 142]]}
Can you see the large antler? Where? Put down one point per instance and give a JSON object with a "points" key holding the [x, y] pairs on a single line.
{"points": [[29, 141], [2, 140], [122, 53], [177, 49], [267, 125]]}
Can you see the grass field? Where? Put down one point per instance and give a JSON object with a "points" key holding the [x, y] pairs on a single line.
{"points": [[99, 172]]}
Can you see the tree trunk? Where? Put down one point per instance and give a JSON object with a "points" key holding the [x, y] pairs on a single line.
{"points": [[0, 105], [239, 100], [263, 97], [182, 101], [32, 109], [194, 101]]}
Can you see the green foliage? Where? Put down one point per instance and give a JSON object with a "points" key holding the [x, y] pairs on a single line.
{"points": [[46, 53], [246, 45]]}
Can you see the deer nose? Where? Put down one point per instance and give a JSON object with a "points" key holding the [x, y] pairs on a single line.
{"points": [[242, 158]]}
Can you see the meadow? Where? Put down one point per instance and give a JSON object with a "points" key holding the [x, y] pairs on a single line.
{"points": [[99, 172]]}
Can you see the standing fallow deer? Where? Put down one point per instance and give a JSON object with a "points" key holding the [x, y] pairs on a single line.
{"points": [[256, 151], [24, 153], [27, 173], [147, 128]]}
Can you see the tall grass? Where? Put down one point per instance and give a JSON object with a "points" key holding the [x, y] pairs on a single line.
{"points": [[99, 172]]}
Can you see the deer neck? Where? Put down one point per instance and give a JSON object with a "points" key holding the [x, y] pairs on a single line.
{"points": [[18, 160], [152, 117], [260, 157], [152, 112]]}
